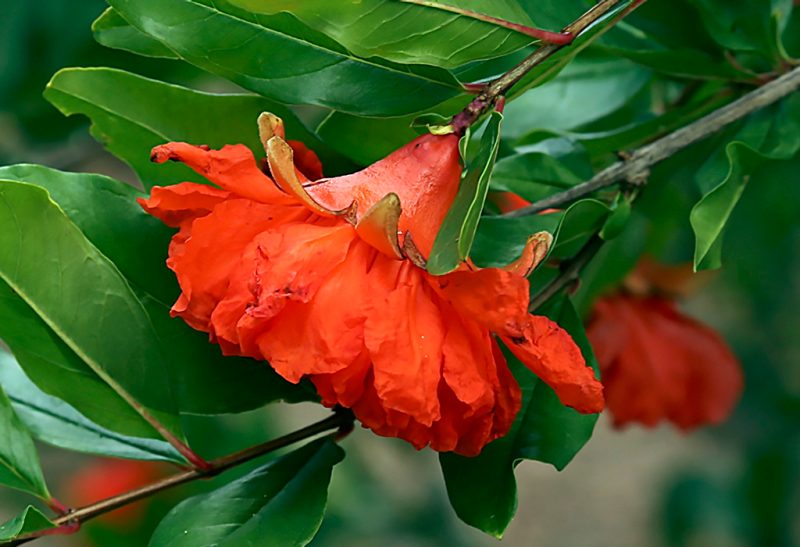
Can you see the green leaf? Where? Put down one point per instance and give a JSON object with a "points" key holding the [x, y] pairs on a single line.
{"points": [[131, 114], [770, 134], [30, 521], [483, 490], [280, 58], [280, 503], [548, 69], [752, 26], [542, 169], [19, 462], [670, 38], [500, 240], [617, 220], [112, 30], [454, 240], [83, 298], [591, 86], [107, 213], [407, 33], [55, 422], [60, 372]]}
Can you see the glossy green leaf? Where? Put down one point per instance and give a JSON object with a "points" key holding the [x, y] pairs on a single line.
{"points": [[280, 58], [131, 114], [542, 169], [772, 133], [281, 503], [753, 26], [617, 220], [112, 30], [407, 33], [53, 421], [483, 490], [78, 293], [500, 240], [454, 240], [588, 89], [60, 372], [107, 213], [548, 69], [19, 461], [670, 37], [30, 521]]}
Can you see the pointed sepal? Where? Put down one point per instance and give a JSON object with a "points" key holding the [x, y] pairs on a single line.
{"points": [[379, 226]]}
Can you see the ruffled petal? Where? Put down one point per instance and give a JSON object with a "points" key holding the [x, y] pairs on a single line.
{"points": [[495, 298], [425, 174], [326, 334], [404, 335], [552, 355], [232, 168], [207, 264]]}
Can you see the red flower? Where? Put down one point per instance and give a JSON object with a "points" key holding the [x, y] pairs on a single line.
{"points": [[105, 478], [656, 362], [326, 279]]}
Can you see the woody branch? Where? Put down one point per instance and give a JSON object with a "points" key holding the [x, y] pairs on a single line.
{"points": [[341, 420]]}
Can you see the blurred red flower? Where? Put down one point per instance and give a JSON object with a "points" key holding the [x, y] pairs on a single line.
{"points": [[325, 279], [105, 478], [657, 363]]}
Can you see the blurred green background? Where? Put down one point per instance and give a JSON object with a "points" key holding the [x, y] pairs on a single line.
{"points": [[734, 485]]}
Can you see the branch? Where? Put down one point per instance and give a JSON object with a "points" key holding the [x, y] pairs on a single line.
{"points": [[342, 420], [494, 89], [637, 165], [570, 272]]}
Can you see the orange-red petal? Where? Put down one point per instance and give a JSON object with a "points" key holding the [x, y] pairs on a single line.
{"points": [[232, 168], [552, 355], [404, 335]]}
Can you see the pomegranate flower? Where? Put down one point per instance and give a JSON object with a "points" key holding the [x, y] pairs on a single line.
{"points": [[326, 279], [657, 363]]}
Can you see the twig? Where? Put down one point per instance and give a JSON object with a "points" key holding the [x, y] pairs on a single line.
{"points": [[645, 157], [570, 272], [501, 85], [342, 419]]}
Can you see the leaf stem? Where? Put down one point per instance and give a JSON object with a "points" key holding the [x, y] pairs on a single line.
{"points": [[494, 89], [547, 36], [639, 162], [341, 420]]}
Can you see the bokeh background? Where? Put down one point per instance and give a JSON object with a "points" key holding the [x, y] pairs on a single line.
{"points": [[733, 485]]}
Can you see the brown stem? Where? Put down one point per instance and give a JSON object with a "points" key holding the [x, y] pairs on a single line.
{"points": [[486, 98], [570, 272], [342, 419], [640, 161]]}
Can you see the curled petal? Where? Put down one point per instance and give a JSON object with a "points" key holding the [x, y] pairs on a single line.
{"points": [[281, 163], [183, 202], [552, 355], [378, 226], [232, 168]]}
